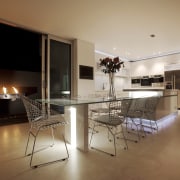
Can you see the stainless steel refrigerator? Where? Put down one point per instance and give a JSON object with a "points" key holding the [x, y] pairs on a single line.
{"points": [[172, 81]]}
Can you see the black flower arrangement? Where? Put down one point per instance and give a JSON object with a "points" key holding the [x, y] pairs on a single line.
{"points": [[111, 65]]}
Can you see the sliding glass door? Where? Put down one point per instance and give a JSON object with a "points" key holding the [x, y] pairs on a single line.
{"points": [[56, 68]]}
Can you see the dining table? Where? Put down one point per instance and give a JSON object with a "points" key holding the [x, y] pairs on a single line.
{"points": [[76, 113]]}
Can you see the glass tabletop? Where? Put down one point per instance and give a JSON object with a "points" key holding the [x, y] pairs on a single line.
{"points": [[87, 100], [78, 101]]}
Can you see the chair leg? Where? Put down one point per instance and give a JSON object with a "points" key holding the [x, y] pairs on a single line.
{"points": [[151, 126], [135, 128], [92, 134], [124, 137], [27, 143], [114, 140], [156, 126], [110, 131], [32, 153], [46, 163], [142, 128], [65, 146], [52, 133]]}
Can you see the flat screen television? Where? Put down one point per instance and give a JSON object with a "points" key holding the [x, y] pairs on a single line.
{"points": [[86, 72]]}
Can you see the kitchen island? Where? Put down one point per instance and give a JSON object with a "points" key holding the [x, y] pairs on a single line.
{"points": [[168, 102]]}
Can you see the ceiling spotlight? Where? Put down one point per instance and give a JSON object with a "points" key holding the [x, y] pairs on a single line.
{"points": [[152, 35]]}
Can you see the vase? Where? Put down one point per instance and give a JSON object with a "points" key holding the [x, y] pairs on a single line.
{"points": [[111, 94]]}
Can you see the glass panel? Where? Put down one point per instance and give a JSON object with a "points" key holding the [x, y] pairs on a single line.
{"points": [[60, 69]]}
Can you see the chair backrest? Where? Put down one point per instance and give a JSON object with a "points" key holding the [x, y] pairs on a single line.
{"points": [[143, 108], [151, 103], [150, 107], [117, 109], [136, 108], [34, 109], [125, 105], [114, 109]]}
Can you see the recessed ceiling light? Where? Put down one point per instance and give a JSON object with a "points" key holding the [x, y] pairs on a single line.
{"points": [[152, 35], [127, 53]]}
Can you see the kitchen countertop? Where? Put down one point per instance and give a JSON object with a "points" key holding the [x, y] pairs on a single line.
{"points": [[145, 89]]}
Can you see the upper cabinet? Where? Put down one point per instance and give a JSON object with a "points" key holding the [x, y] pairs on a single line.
{"points": [[172, 67]]}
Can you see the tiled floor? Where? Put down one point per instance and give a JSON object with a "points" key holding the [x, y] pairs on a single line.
{"points": [[156, 157]]}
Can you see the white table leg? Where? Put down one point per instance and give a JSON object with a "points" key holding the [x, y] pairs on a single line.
{"points": [[77, 130]]}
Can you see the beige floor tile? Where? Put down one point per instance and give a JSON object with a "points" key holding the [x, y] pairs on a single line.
{"points": [[155, 157]]}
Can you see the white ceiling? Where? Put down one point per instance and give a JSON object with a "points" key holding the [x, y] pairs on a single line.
{"points": [[118, 27]]}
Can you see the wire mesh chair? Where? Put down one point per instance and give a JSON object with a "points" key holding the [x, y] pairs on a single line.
{"points": [[125, 106], [135, 115], [96, 110], [41, 119], [113, 122], [149, 112], [142, 111]]}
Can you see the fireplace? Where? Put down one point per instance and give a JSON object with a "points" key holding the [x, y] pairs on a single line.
{"points": [[12, 84]]}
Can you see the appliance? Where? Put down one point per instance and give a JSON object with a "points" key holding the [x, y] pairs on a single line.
{"points": [[135, 82], [168, 85], [172, 75], [146, 81], [157, 80], [172, 78]]}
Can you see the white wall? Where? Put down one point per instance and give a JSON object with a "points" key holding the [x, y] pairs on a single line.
{"points": [[153, 66], [84, 55], [140, 68]]}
